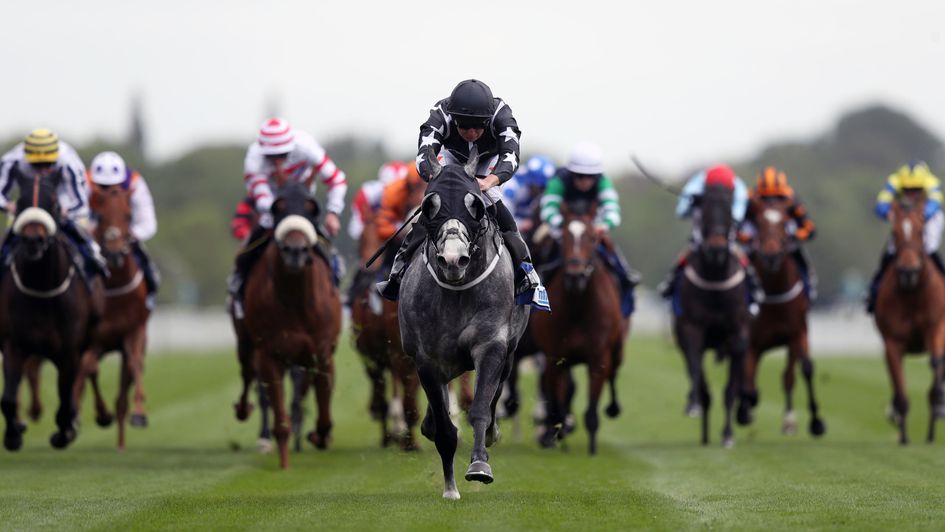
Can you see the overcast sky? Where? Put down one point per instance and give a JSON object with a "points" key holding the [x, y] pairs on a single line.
{"points": [[675, 82]]}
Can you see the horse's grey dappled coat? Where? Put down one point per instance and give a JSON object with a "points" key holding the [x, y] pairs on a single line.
{"points": [[448, 330]]}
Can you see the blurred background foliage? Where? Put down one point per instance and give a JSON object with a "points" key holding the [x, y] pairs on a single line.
{"points": [[837, 174]]}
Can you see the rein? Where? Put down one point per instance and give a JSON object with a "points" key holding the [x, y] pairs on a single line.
{"points": [[127, 288], [42, 294], [714, 286], [784, 297]]}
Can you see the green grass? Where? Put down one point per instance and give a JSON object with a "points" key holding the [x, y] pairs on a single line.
{"points": [[183, 473]]}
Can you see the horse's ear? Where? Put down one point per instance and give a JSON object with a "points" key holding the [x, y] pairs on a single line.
{"points": [[431, 205], [475, 206]]}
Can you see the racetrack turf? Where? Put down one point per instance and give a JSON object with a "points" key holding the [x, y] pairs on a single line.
{"points": [[195, 466]]}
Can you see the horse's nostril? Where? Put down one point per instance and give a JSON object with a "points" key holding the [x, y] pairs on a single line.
{"points": [[441, 262], [463, 261]]}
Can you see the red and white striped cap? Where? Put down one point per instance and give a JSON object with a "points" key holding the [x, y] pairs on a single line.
{"points": [[276, 137], [391, 171]]}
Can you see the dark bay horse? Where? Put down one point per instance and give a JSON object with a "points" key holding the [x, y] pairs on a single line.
{"points": [[586, 327], [711, 309], [910, 311], [46, 309], [293, 313], [123, 328], [783, 317], [376, 335], [457, 313]]}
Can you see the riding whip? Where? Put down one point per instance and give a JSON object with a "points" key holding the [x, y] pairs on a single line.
{"points": [[387, 242], [659, 182]]}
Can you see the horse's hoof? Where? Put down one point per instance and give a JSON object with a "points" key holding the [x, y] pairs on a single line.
{"points": [[817, 427], [13, 441], [548, 439], [613, 410], [320, 442], [693, 409], [789, 425], [728, 442], [479, 471], [35, 412], [409, 445], [243, 410], [451, 494], [61, 439], [264, 445], [104, 420], [139, 421], [743, 416], [386, 440], [493, 435], [569, 426], [939, 411]]}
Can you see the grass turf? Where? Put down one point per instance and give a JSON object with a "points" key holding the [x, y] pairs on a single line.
{"points": [[195, 466]]}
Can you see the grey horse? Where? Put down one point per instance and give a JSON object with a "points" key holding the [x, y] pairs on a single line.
{"points": [[457, 314]]}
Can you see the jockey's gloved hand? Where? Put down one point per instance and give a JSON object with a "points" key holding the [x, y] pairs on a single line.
{"points": [[264, 204]]}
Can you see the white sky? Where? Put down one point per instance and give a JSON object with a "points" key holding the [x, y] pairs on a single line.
{"points": [[675, 81]]}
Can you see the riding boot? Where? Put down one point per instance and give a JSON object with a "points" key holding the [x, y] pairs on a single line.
{"points": [[807, 272], [667, 286], [627, 277], [527, 283], [884, 262], [91, 253], [390, 289], [152, 276], [255, 245], [937, 259]]}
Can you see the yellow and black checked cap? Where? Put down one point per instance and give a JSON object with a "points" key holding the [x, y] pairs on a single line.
{"points": [[41, 146]]}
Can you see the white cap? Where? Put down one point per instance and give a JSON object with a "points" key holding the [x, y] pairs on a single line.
{"points": [[108, 168], [276, 137], [586, 158]]}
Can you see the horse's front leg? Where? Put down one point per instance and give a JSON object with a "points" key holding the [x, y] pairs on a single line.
{"points": [[12, 373], [243, 408], [66, 413], [491, 366], [900, 402], [733, 388], [597, 373], [271, 376], [135, 346], [439, 426], [936, 345], [817, 426], [323, 380], [748, 399], [32, 368]]}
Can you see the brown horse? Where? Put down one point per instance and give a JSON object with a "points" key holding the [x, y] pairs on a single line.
{"points": [[910, 311], [376, 335], [293, 313], [46, 309], [124, 325], [586, 327], [783, 317]]}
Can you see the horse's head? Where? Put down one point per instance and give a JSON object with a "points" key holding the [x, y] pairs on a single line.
{"points": [[112, 207], [771, 219], [453, 212], [716, 206], [908, 223], [295, 214], [578, 242], [37, 210]]}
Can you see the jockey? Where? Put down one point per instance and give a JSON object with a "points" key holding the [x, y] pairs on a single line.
{"points": [[43, 155], [394, 210], [523, 192], [281, 153], [365, 208], [912, 177], [772, 185], [109, 169], [688, 207], [583, 179], [367, 201], [471, 119]]}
